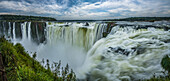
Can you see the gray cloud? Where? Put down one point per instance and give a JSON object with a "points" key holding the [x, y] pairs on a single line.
{"points": [[87, 10]]}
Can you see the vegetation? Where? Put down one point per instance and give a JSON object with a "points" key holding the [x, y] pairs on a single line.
{"points": [[166, 65], [25, 18], [38, 18], [17, 65], [151, 19]]}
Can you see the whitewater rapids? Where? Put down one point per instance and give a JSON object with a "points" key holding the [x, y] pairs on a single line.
{"points": [[127, 54], [98, 51]]}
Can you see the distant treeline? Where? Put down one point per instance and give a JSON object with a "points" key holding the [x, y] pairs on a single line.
{"points": [[39, 18], [150, 19], [25, 18], [140, 19]]}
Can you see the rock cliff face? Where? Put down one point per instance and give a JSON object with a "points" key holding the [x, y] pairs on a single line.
{"points": [[38, 31], [34, 31], [79, 34], [110, 25]]}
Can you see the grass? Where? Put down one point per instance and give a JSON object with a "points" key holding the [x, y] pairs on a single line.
{"points": [[19, 66]]}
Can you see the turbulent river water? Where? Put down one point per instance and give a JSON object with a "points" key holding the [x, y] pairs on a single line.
{"points": [[103, 51]]}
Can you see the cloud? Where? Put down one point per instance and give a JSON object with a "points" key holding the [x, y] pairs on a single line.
{"points": [[77, 9], [7, 13], [30, 8]]}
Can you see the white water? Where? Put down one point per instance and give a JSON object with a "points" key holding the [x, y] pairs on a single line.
{"points": [[68, 44], [29, 31], [14, 37], [75, 33], [105, 64], [9, 30], [73, 43]]}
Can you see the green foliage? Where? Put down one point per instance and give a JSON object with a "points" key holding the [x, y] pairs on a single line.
{"points": [[19, 48], [34, 55], [19, 66], [49, 23], [166, 63], [151, 19], [25, 18]]}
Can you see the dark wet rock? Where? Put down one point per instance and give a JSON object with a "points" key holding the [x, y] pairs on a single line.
{"points": [[67, 25], [139, 50], [102, 57], [86, 24], [4, 28], [166, 41], [120, 50], [105, 34], [18, 30], [108, 51], [6, 25], [1, 28], [38, 32], [166, 28], [110, 25]]}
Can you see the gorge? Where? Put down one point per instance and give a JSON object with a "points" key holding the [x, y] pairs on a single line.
{"points": [[105, 51]]}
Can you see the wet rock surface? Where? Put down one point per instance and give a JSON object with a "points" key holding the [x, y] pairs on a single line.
{"points": [[18, 30], [38, 32], [86, 24], [137, 50], [120, 50]]}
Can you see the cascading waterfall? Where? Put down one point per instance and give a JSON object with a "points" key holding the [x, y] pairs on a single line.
{"points": [[131, 50], [69, 42], [14, 37], [75, 33], [57, 41], [29, 31], [23, 27], [127, 54], [9, 30]]}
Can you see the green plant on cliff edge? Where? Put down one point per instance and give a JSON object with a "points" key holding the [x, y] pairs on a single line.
{"points": [[165, 63], [19, 66]]}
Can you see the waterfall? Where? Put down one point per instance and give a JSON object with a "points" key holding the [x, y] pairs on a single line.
{"points": [[14, 36], [23, 26], [9, 30], [4, 29], [104, 51], [75, 33], [29, 31], [127, 53]]}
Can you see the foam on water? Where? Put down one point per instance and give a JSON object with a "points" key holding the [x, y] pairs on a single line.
{"points": [[127, 54]]}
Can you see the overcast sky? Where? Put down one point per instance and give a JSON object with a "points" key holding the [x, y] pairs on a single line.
{"points": [[87, 9]]}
